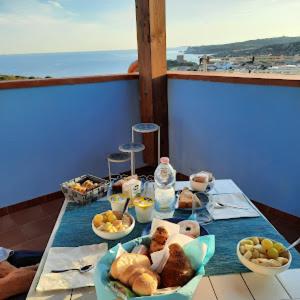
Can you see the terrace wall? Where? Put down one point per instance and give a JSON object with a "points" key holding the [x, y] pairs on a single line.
{"points": [[55, 133], [246, 132]]}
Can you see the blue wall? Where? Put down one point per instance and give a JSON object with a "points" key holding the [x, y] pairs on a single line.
{"points": [[52, 134], [249, 133]]}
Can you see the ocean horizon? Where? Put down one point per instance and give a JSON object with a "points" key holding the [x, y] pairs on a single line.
{"points": [[66, 64]]}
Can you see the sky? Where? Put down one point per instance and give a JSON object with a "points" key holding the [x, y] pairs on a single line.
{"points": [[34, 26]]}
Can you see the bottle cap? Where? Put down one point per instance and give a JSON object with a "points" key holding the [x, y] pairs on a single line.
{"points": [[164, 160]]}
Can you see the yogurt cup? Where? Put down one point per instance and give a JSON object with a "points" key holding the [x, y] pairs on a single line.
{"points": [[144, 209], [117, 202]]}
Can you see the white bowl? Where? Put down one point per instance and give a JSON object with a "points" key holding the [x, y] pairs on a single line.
{"points": [[198, 186], [114, 235], [258, 268]]}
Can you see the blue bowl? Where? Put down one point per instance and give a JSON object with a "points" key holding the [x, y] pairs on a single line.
{"points": [[203, 199]]}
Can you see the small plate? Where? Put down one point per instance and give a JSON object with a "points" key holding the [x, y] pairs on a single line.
{"points": [[147, 228], [114, 235], [202, 196]]}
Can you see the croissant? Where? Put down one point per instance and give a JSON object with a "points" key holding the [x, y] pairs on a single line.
{"points": [[178, 270]]}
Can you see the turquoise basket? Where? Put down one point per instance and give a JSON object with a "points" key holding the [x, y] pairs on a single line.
{"points": [[186, 292]]}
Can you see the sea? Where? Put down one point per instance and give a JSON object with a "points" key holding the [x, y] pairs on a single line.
{"points": [[66, 64]]}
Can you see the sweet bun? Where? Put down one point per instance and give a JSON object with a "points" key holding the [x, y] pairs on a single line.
{"points": [[178, 270], [155, 246], [145, 284], [158, 239], [131, 272], [126, 260], [160, 235]]}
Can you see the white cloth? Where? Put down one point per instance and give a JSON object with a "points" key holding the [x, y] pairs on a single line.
{"points": [[70, 257], [236, 199], [5, 253]]}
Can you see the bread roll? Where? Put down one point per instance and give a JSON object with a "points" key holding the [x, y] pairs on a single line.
{"points": [[160, 235], [126, 260], [158, 239], [145, 284], [178, 270], [155, 246], [131, 272]]}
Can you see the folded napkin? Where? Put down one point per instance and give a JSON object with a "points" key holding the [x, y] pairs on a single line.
{"points": [[70, 257], [236, 199]]}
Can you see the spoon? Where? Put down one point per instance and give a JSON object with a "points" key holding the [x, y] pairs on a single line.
{"points": [[83, 269], [125, 207], [297, 242], [221, 205]]}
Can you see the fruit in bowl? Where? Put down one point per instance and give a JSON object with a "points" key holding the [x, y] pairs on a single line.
{"points": [[263, 255], [112, 225]]}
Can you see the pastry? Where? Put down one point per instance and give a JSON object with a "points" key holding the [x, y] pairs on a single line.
{"points": [[126, 260], [145, 285], [189, 228], [155, 246], [117, 186], [158, 239], [186, 199], [160, 235], [178, 270], [133, 270]]}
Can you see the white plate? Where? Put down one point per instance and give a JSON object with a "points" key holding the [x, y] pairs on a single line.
{"points": [[261, 269], [114, 235]]}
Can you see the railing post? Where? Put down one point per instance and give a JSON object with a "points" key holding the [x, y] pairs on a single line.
{"points": [[151, 38]]}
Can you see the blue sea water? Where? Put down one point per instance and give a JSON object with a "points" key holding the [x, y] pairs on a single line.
{"points": [[74, 63]]}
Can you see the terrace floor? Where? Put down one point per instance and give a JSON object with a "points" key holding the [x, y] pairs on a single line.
{"points": [[30, 228]]}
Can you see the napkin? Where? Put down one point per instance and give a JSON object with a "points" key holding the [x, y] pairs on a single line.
{"points": [[70, 257], [5, 253], [236, 199]]}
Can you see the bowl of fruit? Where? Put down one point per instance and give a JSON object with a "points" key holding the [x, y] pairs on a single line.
{"points": [[263, 255], [112, 225]]}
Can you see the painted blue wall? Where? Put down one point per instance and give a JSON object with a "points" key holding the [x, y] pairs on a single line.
{"points": [[52, 134], [249, 133]]}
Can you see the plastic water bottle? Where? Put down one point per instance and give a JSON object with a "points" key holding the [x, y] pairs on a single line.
{"points": [[165, 177]]}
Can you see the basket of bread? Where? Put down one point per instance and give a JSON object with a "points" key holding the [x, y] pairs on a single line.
{"points": [[163, 265], [84, 189]]}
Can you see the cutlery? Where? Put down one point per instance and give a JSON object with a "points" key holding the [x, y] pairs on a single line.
{"points": [[125, 206], [83, 269], [221, 205], [297, 242]]}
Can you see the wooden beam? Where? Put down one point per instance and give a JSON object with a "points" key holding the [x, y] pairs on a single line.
{"points": [[151, 37]]}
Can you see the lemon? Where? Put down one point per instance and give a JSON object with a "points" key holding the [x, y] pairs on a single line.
{"points": [[279, 247], [267, 244], [272, 253]]}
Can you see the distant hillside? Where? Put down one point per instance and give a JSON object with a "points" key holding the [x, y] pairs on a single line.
{"points": [[16, 77], [274, 46]]}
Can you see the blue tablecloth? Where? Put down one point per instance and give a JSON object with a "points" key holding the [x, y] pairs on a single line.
{"points": [[75, 230]]}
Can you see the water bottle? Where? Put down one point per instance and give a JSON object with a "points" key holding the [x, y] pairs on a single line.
{"points": [[165, 177]]}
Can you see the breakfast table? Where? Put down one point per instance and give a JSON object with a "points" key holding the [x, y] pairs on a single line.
{"points": [[226, 278]]}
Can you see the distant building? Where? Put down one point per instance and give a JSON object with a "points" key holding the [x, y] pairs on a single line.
{"points": [[180, 58]]}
